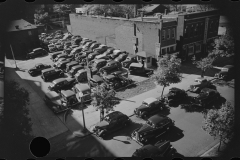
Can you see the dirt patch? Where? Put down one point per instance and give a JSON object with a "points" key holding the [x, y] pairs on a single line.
{"points": [[140, 88]]}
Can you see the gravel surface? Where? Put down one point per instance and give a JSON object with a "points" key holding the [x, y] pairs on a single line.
{"points": [[136, 89]]}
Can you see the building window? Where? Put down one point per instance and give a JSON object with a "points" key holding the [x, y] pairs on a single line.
{"points": [[148, 59], [163, 51], [163, 35], [168, 49], [168, 34], [173, 32], [198, 47], [29, 33], [190, 50], [172, 49], [186, 32], [139, 58]]}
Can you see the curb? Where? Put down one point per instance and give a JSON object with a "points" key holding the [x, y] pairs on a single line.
{"points": [[205, 154]]}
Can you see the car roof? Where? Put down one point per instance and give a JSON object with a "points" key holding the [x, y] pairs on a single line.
{"points": [[110, 76], [82, 87], [97, 78], [228, 66], [100, 56], [99, 60], [58, 80], [67, 93], [136, 65], [111, 62], [52, 95], [115, 114], [208, 90], [132, 55], [175, 89], [155, 119], [48, 69], [77, 66], [38, 64], [150, 100], [37, 49], [82, 70]]}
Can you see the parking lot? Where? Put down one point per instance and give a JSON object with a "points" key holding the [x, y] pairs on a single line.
{"points": [[187, 136]]}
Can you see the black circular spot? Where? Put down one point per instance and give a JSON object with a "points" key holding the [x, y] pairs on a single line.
{"points": [[118, 1], [39, 147], [118, 159], [88, 1], [89, 159], [147, 1]]}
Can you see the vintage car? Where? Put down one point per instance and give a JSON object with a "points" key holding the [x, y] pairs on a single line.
{"points": [[69, 98], [91, 56], [116, 82], [131, 58], [108, 52], [120, 73], [206, 96], [139, 69], [115, 53], [51, 74], [53, 101], [154, 127], [62, 65], [101, 56], [160, 149], [62, 84], [84, 89], [54, 54], [37, 69], [111, 122], [75, 50], [59, 46], [226, 73], [74, 46], [70, 65], [81, 75], [94, 45], [36, 52], [110, 67], [75, 69], [52, 48], [149, 106], [59, 60], [121, 57], [95, 80], [175, 95], [63, 55], [102, 48], [199, 84], [98, 64]]}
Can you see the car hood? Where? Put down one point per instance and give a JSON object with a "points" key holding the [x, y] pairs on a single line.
{"points": [[30, 53], [102, 124], [144, 128], [142, 107]]}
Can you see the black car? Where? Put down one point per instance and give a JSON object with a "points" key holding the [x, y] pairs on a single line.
{"points": [[226, 73], [116, 82], [63, 55], [96, 80], [111, 122], [121, 57], [149, 106], [62, 65], [175, 95], [110, 67], [115, 54], [37, 69], [51, 74], [74, 69], [140, 70], [206, 96], [131, 58], [108, 52], [70, 65], [160, 149], [62, 84], [54, 54], [36, 53], [154, 127]]}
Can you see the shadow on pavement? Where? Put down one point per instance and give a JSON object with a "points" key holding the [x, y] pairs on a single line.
{"points": [[173, 134]]}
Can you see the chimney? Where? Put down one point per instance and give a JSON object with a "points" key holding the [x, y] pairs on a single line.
{"points": [[17, 27]]}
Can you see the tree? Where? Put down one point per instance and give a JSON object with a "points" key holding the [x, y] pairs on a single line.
{"points": [[103, 99], [15, 124], [168, 71], [204, 64], [223, 46], [40, 16], [220, 123], [62, 8]]}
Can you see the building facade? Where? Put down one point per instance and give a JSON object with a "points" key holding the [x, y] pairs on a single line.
{"points": [[21, 38], [195, 31]]}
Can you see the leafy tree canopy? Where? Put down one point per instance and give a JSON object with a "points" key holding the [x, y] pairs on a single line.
{"points": [[15, 124], [220, 122]]}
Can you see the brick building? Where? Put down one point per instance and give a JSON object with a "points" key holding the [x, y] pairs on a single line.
{"points": [[195, 31], [22, 36]]}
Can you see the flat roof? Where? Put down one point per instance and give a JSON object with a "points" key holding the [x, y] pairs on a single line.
{"points": [[22, 25]]}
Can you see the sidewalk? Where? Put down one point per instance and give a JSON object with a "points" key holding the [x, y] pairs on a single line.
{"points": [[45, 123]]}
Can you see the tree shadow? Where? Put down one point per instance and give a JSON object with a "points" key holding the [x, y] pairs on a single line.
{"points": [[173, 134]]}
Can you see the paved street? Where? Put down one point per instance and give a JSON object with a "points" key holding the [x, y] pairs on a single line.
{"points": [[187, 137]]}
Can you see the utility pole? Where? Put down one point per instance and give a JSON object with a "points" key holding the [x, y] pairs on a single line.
{"points": [[14, 57], [84, 125]]}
